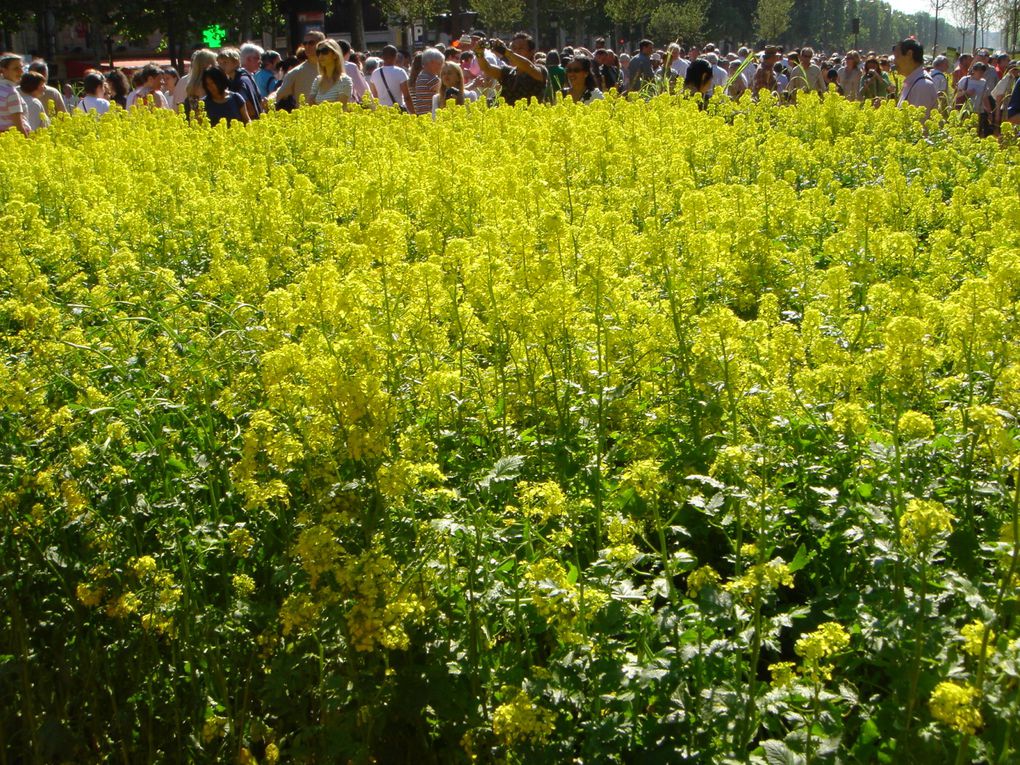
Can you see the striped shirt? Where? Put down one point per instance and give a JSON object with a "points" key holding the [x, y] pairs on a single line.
{"points": [[424, 89], [12, 107]]}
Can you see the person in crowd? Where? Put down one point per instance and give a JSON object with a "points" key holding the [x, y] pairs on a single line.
{"points": [[221, 103], [973, 92], [737, 84], [1013, 108], [432, 60], [640, 69], [962, 67], [765, 76], [719, 75], [520, 77], [118, 87], [94, 100], [698, 80], [606, 75], [32, 85], [70, 97], [849, 76], [581, 84], [678, 63], [389, 81], [297, 82], [241, 81], [874, 86], [353, 71], [373, 62], [168, 81], [147, 91], [50, 94], [13, 111], [917, 88], [413, 74], [939, 74], [251, 57], [201, 59], [557, 73], [265, 78], [1004, 89], [450, 88], [333, 84]]}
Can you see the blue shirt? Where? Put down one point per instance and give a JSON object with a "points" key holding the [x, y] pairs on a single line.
{"points": [[229, 110], [265, 82], [1014, 101]]}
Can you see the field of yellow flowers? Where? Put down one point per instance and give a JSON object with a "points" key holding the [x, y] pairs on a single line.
{"points": [[622, 433]]}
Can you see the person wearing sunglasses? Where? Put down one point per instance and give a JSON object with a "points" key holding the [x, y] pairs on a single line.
{"points": [[297, 82], [581, 86], [333, 83]]}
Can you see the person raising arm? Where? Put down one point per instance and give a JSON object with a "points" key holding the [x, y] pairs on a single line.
{"points": [[521, 78]]}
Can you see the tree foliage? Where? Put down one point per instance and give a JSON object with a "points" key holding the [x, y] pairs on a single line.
{"points": [[772, 18], [678, 21]]}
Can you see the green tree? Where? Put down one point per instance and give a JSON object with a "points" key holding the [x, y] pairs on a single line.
{"points": [[499, 14], [678, 21], [772, 18]]}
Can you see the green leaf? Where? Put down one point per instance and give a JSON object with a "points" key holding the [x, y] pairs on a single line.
{"points": [[778, 753], [801, 559]]}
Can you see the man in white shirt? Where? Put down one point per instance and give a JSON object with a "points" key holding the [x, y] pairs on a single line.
{"points": [[918, 88], [148, 90], [719, 75], [389, 81]]}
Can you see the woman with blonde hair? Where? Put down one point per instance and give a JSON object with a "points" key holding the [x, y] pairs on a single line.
{"points": [[332, 84], [451, 87], [189, 90]]}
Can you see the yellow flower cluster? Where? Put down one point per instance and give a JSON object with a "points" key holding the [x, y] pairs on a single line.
{"points": [[973, 635], [924, 524], [955, 705], [700, 578], [818, 647], [761, 579], [522, 720]]}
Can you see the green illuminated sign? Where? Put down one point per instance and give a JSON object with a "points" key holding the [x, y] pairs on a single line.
{"points": [[214, 35]]}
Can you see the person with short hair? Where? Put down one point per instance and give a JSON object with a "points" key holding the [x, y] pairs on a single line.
{"points": [[148, 91], [32, 84], [640, 69], [432, 60], [298, 81], [13, 111], [221, 103], [358, 81], [389, 81], [520, 78], [251, 57], [973, 90], [94, 100], [265, 77], [229, 60], [50, 95]]}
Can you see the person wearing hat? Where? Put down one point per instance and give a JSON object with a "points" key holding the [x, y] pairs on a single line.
{"points": [[1004, 89], [765, 77]]}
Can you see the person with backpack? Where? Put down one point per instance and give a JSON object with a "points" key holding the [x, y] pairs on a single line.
{"points": [[973, 92]]}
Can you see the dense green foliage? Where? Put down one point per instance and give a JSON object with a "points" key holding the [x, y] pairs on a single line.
{"points": [[628, 432]]}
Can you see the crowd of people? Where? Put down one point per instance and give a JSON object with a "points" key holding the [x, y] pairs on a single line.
{"points": [[243, 83]]}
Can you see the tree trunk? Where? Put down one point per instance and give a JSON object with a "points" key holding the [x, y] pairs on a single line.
{"points": [[357, 25]]}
